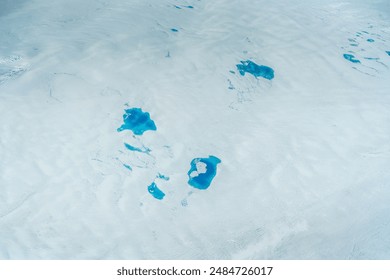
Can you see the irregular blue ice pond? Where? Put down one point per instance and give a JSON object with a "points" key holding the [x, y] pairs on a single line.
{"points": [[174, 30], [351, 58], [370, 40], [155, 191], [135, 149], [137, 121], [256, 70], [388, 53], [201, 179]]}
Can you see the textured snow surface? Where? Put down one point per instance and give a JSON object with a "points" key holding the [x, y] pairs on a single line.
{"points": [[305, 156]]}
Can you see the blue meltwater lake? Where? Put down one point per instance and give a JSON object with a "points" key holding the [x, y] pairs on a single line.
{"points": [[202, 172], [256, 70], [137, 121], [155, 191]]}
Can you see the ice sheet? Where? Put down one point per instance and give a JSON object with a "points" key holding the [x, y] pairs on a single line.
{"points": [[305, 157]]}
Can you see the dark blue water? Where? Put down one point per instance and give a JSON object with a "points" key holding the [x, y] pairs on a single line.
{"points": [[370, 40], [388, 53], [351, 58], [256, 70], [203, 180], [174, 30], [135, 149], [137, 121], [155, 191]]}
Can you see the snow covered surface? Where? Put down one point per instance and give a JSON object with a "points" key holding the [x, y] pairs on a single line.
{"points": [[305, 156]]}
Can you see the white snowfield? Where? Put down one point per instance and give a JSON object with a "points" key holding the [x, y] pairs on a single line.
{"points": [[305, 157]]}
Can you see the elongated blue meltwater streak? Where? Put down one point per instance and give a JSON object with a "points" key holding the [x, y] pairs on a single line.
{"points": [[135, 149], [127, 167], [162, 176], [351, 58]]}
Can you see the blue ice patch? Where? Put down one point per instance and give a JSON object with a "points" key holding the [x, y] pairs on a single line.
{"points": [[137, 121], [351, 58], [203, 180], [370, 40], [174, 30], [388, 53], [135, 149], [256, 70], [155, 191]]}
